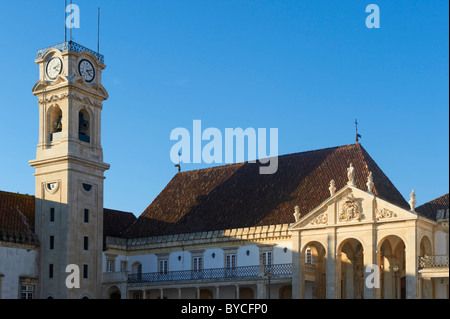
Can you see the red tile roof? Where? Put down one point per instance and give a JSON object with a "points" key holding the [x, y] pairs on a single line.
{"points": [[235, 196], [17, 217], [115, 222], [431, 208], [16, 212]]}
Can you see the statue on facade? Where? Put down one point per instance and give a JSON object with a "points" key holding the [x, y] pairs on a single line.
{"points": [[351, 175]]}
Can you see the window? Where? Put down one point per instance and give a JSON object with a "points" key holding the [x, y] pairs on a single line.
{"points": [[50, 271], [163, 266], [308, 256], [52, 214], [267, 258], [197, 263], [86, 215], [52, 242], [27, 291], [230, 261], [109, 266], [123, 265], [85, 271], [86, 243]]}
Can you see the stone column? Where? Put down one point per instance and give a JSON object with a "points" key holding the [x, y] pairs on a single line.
{"points": [[412, 273], [331, 267], [217, 292], [296, 267], [260, 289], [373, 272]]}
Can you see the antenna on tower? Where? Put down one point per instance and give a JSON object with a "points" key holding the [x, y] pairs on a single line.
{"points": [[98, 31], [357, 135], [65, 25], [70, 28]]}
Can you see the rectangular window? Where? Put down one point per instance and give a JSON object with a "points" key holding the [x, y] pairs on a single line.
{"points": [[308, 256], [52, 242], [197, 263], [163, 266], [27, 291], [230, 261], [109, 266], [123, 265], [86, 215], [267, 258], [86, 243], [85, 271], [50, 271], [52, 214]]}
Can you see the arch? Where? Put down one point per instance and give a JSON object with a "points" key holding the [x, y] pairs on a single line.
{"points": [[392, 262], [427, 284], [114, 292], [314, 272], [246, 293], [55, 123], [351, 269], [84, 125], [206, 294], [425, 248], [285, 292]]}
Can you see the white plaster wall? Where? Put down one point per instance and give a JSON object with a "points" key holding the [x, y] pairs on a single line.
{"points": [[150, 261], [15, 263], [441, 243]]}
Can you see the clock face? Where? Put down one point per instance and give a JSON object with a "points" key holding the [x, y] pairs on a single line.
{"points": [[86, 70], [54, 67]]}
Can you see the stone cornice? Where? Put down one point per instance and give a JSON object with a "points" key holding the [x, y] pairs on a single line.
{"points": [[72, 95], [208, 238]]}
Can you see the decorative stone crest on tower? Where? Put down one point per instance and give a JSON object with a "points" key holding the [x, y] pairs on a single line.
{"points": [[332, 187], [412, 201], [350, 209], [351, 175], [296, 213]]}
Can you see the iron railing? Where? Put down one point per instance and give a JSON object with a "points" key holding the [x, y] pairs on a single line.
{"points": [[215, 274], [433, 261], [72, 46]]}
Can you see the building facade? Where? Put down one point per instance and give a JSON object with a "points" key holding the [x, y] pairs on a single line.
{"points": [[328, 224]]}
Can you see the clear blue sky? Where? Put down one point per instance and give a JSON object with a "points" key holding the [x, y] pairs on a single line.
{"points": [[308, 68]]}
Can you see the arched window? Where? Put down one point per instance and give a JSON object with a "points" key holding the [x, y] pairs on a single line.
{"points": [[83, 126], [56, 125]]}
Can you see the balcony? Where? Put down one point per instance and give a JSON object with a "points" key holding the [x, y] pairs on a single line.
{"points": [[433, 261], [214, 274], [433, 266], [115, 277], [72, 46]]}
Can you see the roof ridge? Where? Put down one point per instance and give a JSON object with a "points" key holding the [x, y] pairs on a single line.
{"points": [[283, 155], [17, 194]]}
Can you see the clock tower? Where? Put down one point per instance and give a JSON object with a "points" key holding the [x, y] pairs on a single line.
{"points": [[69, 171]]}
